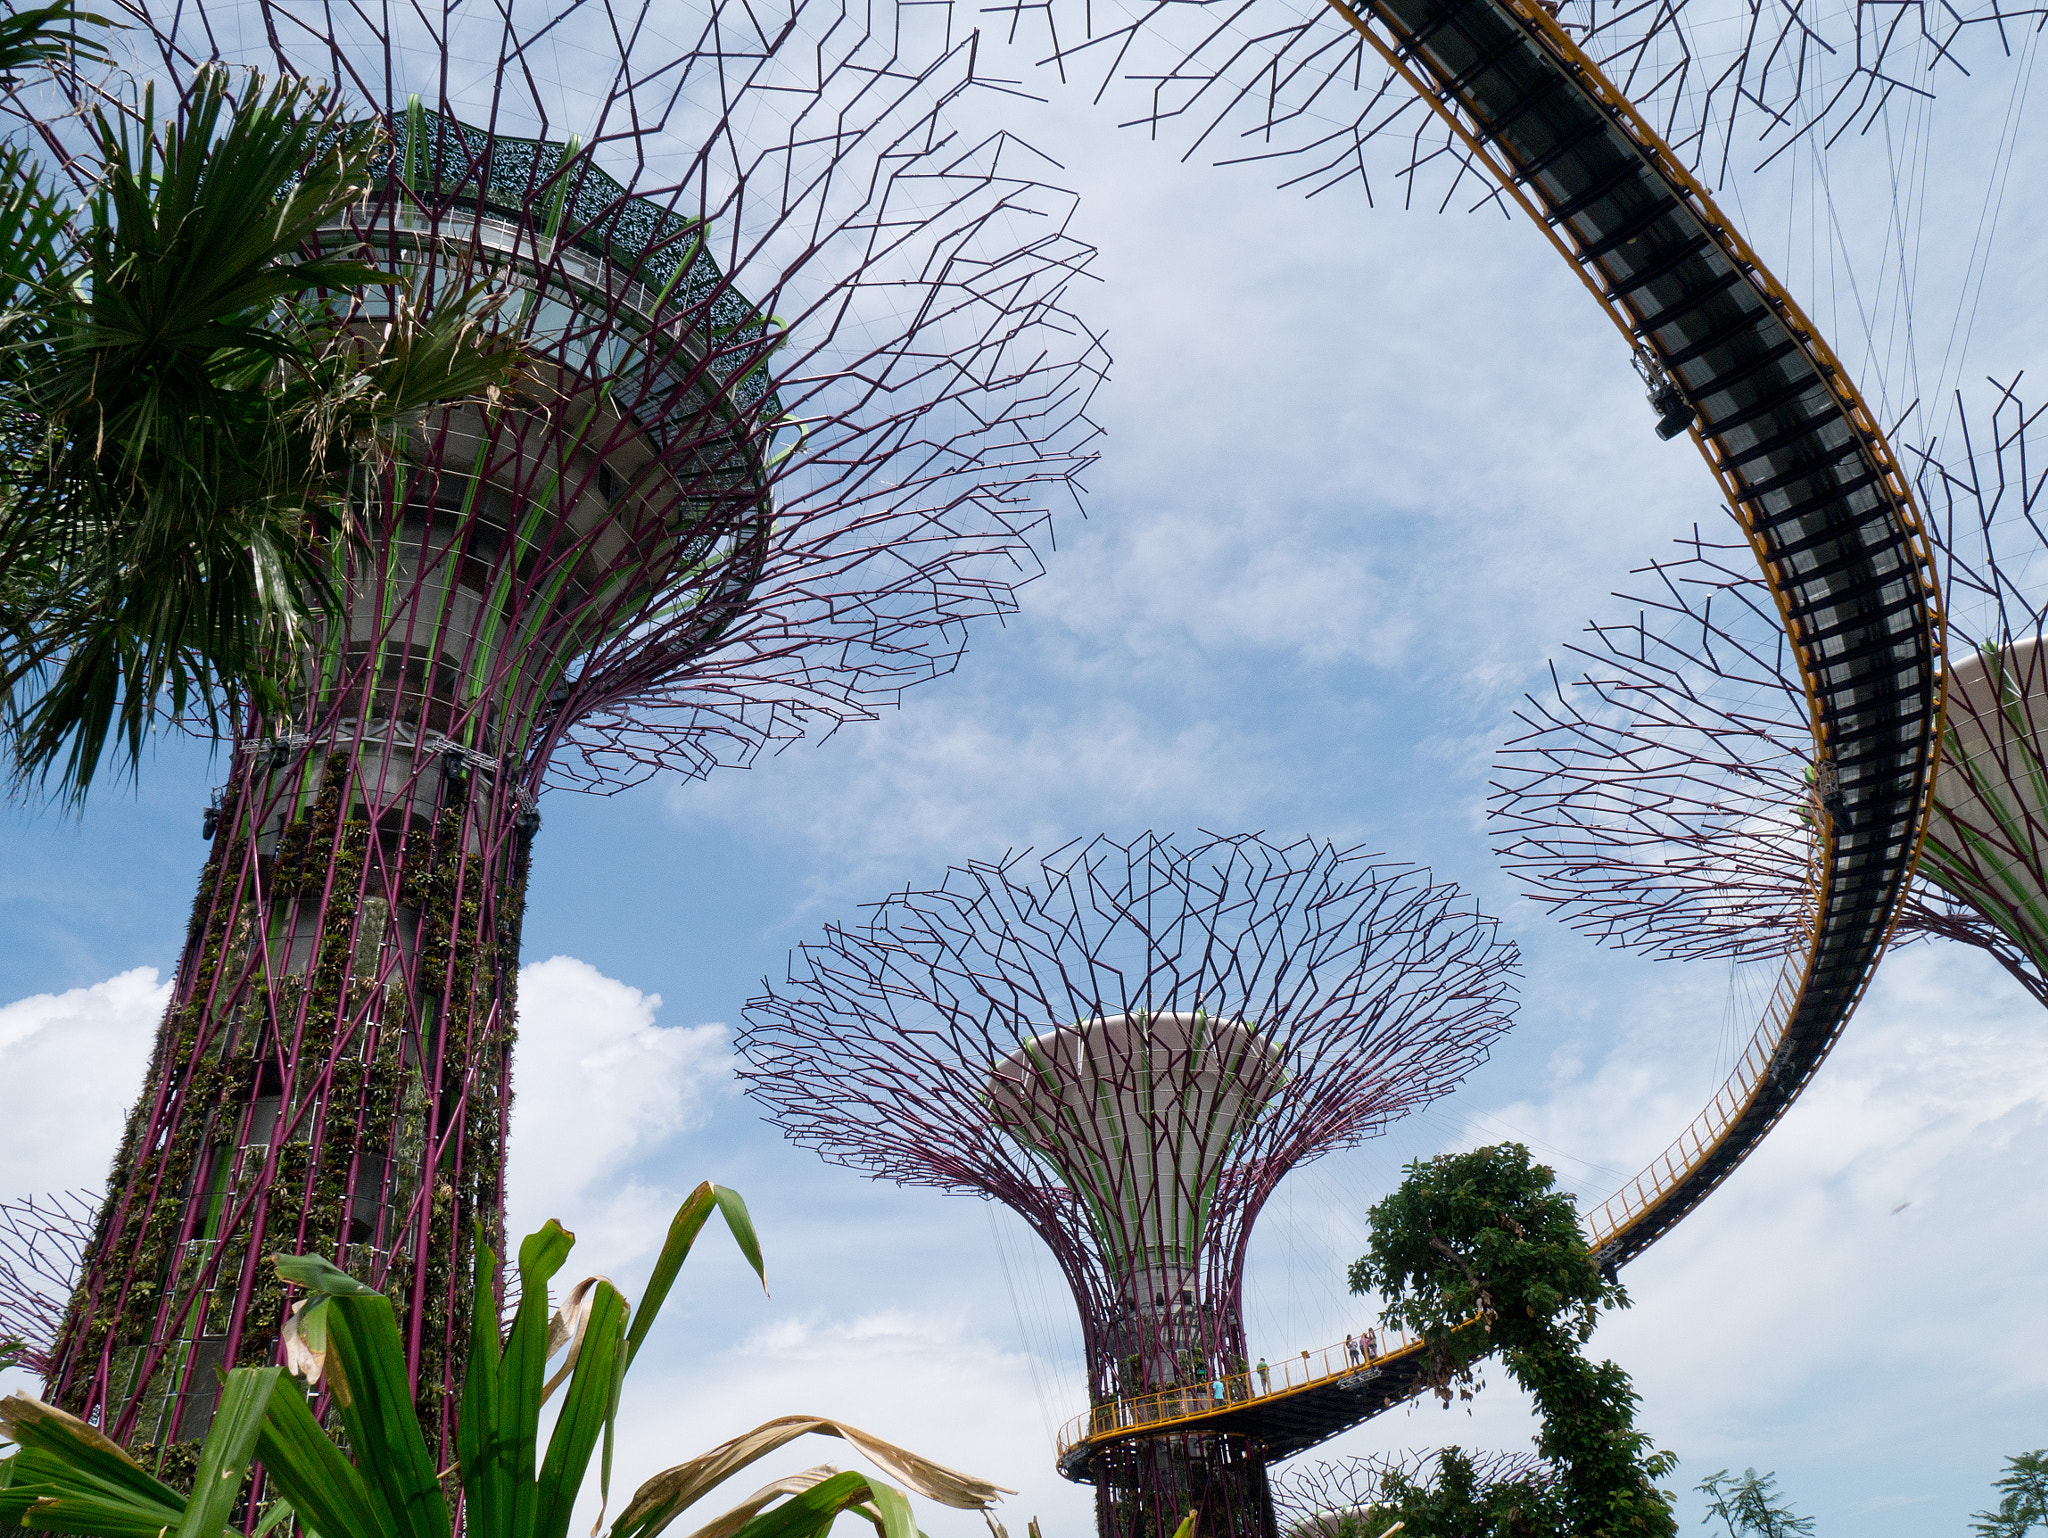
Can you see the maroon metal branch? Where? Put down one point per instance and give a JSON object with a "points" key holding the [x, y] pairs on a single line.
{"points": [[1294, 86], [1130, 1045], [807, 388], [1665, 800], [42, 1241]]}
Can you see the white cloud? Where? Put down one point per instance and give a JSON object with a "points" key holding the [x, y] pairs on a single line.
{"points": [[73, 1064], [598, 1089], [1878, 1239], [927, 787]]}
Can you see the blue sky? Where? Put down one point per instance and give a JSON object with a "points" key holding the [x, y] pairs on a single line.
{"points": [[1365, 474]]}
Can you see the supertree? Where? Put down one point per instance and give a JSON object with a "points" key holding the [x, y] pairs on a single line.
{"points": [[1667, 800], [804, 385], [1328, 1499], [1129, 1045]]}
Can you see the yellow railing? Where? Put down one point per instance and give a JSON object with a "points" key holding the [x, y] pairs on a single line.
{"points": [[1668, 1170], [1288, 1375]]}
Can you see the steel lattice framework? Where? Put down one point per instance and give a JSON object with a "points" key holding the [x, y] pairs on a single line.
{"points": [[42, 1241], [1129, 1045], [1327, 1499], [1667, 800], [806, 386], [1730, 85]]}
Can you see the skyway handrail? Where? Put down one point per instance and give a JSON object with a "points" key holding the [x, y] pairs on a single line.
{"points": [[1289, 1375]]}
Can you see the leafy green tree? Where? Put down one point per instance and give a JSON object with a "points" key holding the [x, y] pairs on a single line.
{"points": [[1457, 1504], [1751, 1506], [189, 399], [1480, 1255], [369, 1475], [2024, 1498]]}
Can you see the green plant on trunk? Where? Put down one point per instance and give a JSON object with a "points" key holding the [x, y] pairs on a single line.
{"points": [[2023, 1503], [1480, 1255], [368, 1473]]}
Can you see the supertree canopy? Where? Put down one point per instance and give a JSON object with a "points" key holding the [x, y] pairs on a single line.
{"points": [[803, 386], [1130, 1045], [1668, 800], [1731, 87]]}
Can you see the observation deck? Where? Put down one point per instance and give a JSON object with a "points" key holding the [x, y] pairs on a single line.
{"points": [[1830, 518]]}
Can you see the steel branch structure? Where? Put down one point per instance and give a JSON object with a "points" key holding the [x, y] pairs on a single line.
{"points": [[1326, 1500], [1667, 801], [1730, 86], [42, 1241], [1129, 1045], [806, 383]]}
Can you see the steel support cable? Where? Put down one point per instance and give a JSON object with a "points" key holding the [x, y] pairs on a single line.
{"points": [[1830, 518]]}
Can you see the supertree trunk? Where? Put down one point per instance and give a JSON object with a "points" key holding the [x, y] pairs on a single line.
{"points": [[796, 402], [333, 1073], [1145, 1489]]}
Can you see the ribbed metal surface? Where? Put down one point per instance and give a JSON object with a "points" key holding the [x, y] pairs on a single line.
{"points": [[1828, 514]]}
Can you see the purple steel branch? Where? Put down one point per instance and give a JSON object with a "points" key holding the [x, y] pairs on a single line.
{"points": [[1664, 802], [1370, 989], [42, 1241], [1325, 1499], [1252, 81]]}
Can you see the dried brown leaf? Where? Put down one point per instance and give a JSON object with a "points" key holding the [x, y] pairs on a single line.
{"points": [[19, 1410], [748, 1509], [568, 1326], [674, 1490]]}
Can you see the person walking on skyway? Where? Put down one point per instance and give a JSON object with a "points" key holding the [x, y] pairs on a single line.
{"points": [[1372, 1344], [1265, 1377], [1216, 1390], [1351, 1349]]}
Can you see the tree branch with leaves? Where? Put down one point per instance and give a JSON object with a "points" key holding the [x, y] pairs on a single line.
{"points": [[1481, 1256]]}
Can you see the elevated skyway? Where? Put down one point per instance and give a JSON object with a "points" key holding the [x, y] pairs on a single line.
{"points": [[1286, 1409], [1806, 468]]}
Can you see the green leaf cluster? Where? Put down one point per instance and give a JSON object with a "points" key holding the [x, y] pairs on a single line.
{"points": [[189, 396], [367, 1472], [1480, 1255], [49, 35], [2023, 1505], [1454, 1503], [1750, 1507]]}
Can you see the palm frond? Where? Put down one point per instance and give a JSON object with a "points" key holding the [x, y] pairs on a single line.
{"points": [[189, 416]]}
